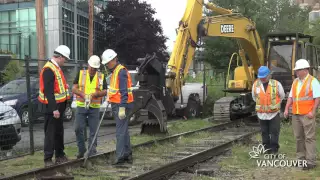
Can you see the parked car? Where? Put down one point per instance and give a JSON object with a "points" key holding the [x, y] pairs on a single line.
{"points": [[14, 93], [10, 127], [108, 114]]}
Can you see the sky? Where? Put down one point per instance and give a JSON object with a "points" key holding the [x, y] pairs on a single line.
{"points": [[169, 12]]}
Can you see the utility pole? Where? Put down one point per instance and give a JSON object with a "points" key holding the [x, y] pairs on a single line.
{"points": [[40, 34], [90, 38]]}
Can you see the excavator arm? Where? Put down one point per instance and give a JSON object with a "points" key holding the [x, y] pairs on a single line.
{"points": [[194, 26], [160, 85]]}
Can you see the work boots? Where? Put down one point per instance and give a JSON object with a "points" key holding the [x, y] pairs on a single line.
{"points": [[62, 159], [48, 163], [129, 159]]}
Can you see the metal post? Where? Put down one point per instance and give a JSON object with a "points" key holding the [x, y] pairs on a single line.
{"points": [[204, 82], [76, 34], [30, 107], [225, 84]]}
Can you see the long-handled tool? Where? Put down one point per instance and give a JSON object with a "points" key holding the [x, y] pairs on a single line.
{"points": [[86, 156]]}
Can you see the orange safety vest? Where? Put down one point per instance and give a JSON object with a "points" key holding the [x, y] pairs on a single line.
{"points": [[304, 101], [61, 91], [87, 87], [268, 101], [114, 94]]}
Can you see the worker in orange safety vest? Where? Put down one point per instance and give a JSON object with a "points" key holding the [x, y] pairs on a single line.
{"points": [[304, 98], [268, 95], [120, 96], [53, 96]]}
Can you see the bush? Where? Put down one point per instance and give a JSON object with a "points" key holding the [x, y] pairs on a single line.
{"points": [[13, 70]]}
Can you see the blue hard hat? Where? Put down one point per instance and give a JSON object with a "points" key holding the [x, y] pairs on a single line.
{"points": [[263, 72]]}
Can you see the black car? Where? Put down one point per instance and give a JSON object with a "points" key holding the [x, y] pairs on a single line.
{"points": [[14, 94]]}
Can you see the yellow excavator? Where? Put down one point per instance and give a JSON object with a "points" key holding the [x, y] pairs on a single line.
{"points": [[161, 83]]}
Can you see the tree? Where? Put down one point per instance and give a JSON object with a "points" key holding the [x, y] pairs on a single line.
{"points": [[314, 30], [132, 31], [269, 16], [12, 70]]}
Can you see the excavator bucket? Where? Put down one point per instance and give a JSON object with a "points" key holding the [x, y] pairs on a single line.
{"points": [[150, 112], [152, 102]]}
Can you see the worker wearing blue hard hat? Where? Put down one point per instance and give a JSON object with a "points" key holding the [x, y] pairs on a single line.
{"points": [[263, 72], [268, 94]]}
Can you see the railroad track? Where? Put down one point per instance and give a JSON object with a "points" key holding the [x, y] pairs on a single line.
{"points": [[25, 151], [154, 159]]}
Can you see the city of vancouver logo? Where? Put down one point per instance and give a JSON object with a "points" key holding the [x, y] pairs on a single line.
{"points": [[257, 151], [273, 160]]}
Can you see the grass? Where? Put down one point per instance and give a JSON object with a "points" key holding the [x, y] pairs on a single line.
{"points": [[239, 162], [29, 162]]}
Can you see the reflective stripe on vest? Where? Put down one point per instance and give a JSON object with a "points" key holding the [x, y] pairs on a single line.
{"points": [[89, 87], [268, 101], [302, 102], [61, 92], [114, 94]]}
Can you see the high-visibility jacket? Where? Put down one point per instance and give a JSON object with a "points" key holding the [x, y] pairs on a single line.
{"points": [[304, 101], [114, 94], [61, 91], [89, 87], [268, 101]]}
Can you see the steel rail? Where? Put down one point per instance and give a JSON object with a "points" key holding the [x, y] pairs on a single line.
{"points": [[165, 171], [62, 168]]}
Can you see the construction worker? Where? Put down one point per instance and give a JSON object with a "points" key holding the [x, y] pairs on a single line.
{"points": [[53, 96], [268, 94], [304, 98], [89, 86], [121, 98]]}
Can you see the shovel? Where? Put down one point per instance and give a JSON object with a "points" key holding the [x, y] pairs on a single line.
{"points": [[86, 156]]}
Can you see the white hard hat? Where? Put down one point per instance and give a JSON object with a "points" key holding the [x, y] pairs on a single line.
{"points": [[94, 61], [63, 50], [108, 55], [301, 64]]}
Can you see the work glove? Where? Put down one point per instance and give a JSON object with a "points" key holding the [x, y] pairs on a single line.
{"points": [[122, 113]]}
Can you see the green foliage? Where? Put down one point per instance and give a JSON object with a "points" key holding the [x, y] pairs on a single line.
{"points": [[13, 70], [132, 31], [314, 30]]}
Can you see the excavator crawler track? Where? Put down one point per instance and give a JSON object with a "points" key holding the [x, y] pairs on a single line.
{"points": [[222, 108]]}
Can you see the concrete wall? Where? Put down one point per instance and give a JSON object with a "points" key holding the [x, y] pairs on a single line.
{"points": [[54, 24]]}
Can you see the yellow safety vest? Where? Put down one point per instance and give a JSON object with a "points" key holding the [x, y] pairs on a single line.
{"points": [[90, 87]]}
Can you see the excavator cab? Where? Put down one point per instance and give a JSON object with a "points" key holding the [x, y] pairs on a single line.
{"points": [[283, 50]]}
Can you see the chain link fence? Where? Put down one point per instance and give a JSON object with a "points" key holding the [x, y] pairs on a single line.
{"points": [[215, 81], [21, 126]]}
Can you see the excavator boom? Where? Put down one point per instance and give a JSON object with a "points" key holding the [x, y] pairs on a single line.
{"points": [[161, 84]]}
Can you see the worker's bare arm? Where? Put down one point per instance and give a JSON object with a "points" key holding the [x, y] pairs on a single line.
{"points": [[75, 90]]}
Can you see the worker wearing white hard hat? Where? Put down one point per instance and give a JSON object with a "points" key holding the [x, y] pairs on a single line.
{"points": [[120, 96], [53, 96], [89, 86], [304, 99]]}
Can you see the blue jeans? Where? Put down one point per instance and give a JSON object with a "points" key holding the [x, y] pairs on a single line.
{"points": [[123, 147], [82, 115]]}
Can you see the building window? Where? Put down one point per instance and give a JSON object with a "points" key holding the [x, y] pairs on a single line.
{"points": [[18, 32]]}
